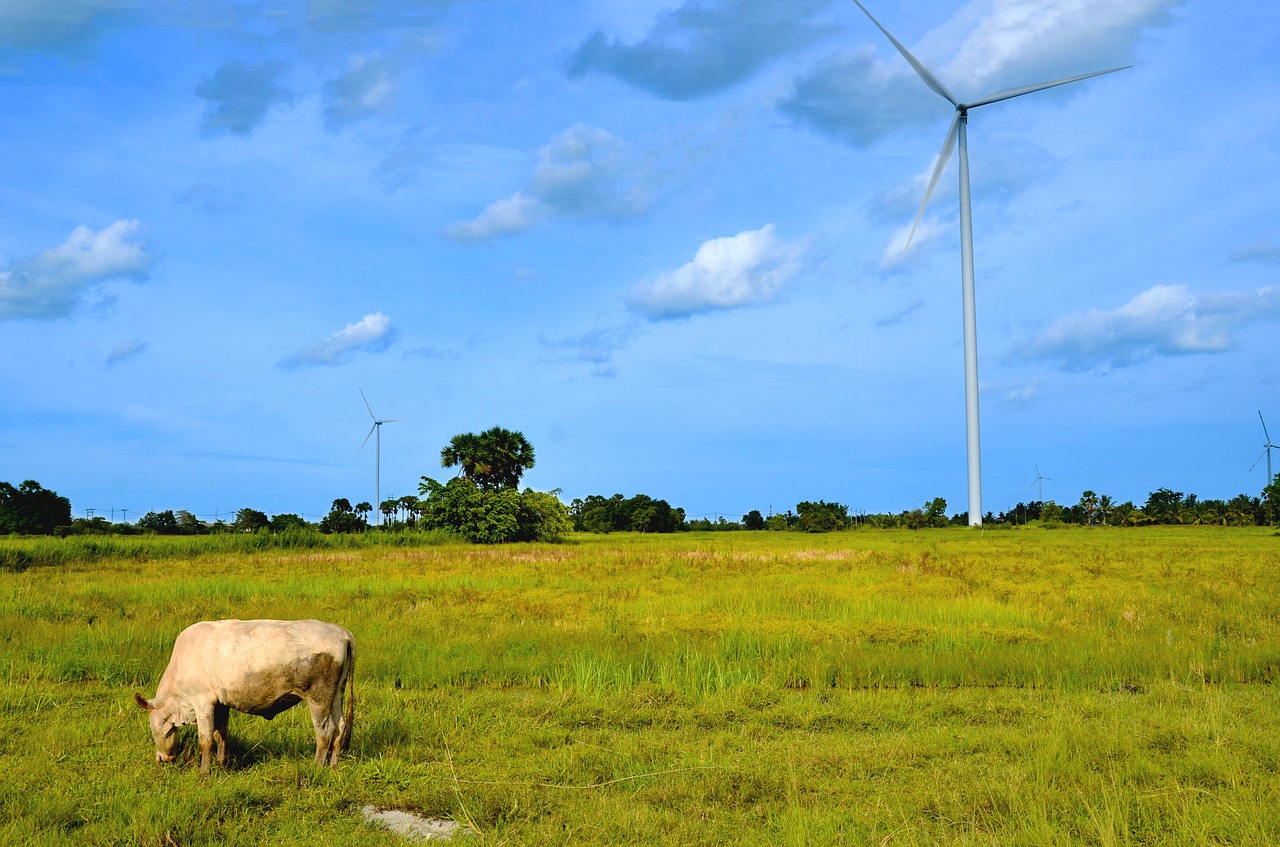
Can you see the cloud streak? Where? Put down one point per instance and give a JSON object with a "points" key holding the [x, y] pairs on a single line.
{"points": [[1263, 252], [239, 95], [700, 49], [368, 86], [126, 350], [749, 268], [52, 284], [597, 346], [1164, 320], [371, 334]]}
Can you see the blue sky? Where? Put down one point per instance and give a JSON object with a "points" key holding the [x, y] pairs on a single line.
{"points": [[660, 238]]}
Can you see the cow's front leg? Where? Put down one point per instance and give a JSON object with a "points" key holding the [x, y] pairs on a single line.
{"points": [[205, 728]]}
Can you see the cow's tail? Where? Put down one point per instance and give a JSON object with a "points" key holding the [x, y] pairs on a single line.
{"points": [[350, 712]]}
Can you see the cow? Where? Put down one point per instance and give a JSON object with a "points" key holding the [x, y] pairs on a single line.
{"points": [[259, 667]]}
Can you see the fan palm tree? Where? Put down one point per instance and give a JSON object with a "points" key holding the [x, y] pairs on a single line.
{"points": [[494, 459]]}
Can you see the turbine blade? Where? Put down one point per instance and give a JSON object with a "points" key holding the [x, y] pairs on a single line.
{"points": [[1264, 428], [366, 404], [1009, 93], [366, 438], [948, 146], [392, 420], [1259, 459], [925, 74]]}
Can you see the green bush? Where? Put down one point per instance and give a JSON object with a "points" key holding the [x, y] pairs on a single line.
{"points": [[493, 517]]}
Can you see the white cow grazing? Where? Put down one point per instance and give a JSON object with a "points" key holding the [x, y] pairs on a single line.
{"points": [[259, 667]]}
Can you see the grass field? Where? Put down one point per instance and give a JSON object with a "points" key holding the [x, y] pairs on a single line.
{"points": [[866, 688]]}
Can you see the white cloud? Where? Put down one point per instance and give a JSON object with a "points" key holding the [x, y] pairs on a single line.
{"points": [[861, 97], [1164, 320], [897, 251], [51, 284], [370, 83], [1017, 393], [508, 216], [585, 173], [1024, 41], [373, 334], [726, 273]]}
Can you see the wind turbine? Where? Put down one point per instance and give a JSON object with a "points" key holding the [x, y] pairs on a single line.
{"points": [[377, 466], [1266, 451], [1040, 479], [959, 130]]}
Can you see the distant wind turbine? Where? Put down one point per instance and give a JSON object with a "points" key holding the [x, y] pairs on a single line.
{"points": [[1040, 480], [377, 466], [959, 127], [1266, 450]]}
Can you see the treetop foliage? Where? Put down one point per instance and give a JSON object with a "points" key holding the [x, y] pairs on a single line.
{"points": [[493, 460], [640, 513], [30, 509]]}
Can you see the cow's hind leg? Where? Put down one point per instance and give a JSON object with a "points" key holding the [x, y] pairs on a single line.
{"points": [[335, 747], [326, 731], [221, 713]]}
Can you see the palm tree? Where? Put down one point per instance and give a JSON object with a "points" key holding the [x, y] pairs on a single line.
{"points": [[494, 459], [409, 504], [1088, 504]]}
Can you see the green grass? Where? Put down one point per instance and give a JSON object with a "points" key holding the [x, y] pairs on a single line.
{"points": [[945, 687]]}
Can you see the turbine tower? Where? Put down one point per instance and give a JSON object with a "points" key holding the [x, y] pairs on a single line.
{"points": [[959, 130], [377, 464], [1266, 451]]}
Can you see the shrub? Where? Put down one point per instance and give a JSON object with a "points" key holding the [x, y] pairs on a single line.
{"points": [[493, 517]]}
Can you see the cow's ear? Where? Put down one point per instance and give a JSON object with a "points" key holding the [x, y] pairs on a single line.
{"points": [[143, 702]]}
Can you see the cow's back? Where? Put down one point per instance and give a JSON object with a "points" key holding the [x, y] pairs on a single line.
{"points": [[258, 666]]}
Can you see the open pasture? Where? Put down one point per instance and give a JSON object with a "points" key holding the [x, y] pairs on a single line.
{"points": [[878, 688]]}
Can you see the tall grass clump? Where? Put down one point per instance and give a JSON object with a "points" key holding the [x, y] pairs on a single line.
{"points": [[18, 553]]}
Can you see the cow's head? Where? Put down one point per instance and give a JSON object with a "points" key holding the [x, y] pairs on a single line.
{"points": [[164, 730]]}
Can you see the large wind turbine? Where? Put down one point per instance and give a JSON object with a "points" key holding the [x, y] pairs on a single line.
{"points": [[1040, 480], [959, 125], [377, 466], [1266, 451]]}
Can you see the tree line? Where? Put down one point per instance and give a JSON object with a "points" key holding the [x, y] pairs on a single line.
{"points": [[483, 503]]}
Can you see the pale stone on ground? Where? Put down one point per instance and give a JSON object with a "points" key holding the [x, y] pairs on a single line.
{"points": [[412, 827]]}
